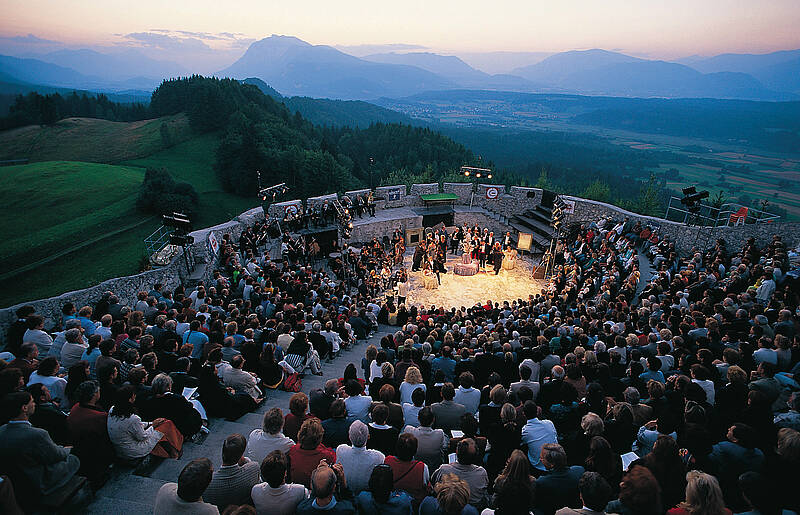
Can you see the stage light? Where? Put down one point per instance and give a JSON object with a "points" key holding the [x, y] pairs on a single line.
{"points": [[466, 174], [478, 175], [489, 176]]}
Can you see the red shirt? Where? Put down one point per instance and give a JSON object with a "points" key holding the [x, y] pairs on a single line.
{"points": [[292, 423], [409, 476], [304, 461]]}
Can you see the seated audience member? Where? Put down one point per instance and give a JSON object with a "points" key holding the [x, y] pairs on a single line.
{"points": [[269, 438], [165, 404], [305, 455], [274, 496], [558, 487], [47, 415], [356, 460], [320, 400], [46, 375], [386, 395], [241, 381], [27, 361], [232, 483], [448, 413], [382, 436], [28, 456], [451, 497], [511, 498], [466, 395], [132, 438], [358, 405], [216, 398], [37, 336], [735, 456], [186, 496], [73, 348], [410, 475], [595, 493], [330, 493], [465, 469], [88, 425], [431, 443], [337, 426], [382, 497], [298, 413], [535, 434], [517, 470], [703, 495], [639, 493], [412, 382], [411, 410]]}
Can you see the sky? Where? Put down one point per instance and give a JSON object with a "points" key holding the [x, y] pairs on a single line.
{"points": [[646, 28]]}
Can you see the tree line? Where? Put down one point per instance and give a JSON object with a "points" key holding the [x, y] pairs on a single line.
{"points": [[37, 109]]}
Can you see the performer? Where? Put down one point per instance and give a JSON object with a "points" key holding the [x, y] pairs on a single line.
{"points": [[507, 240], [497, 257], [419, 255], [510, 260], [371, 204], [485, 252], [455, 239]]}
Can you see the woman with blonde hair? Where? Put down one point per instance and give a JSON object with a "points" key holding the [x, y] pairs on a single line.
{"points": [[451, 497], [411, 382], [703, 496]]}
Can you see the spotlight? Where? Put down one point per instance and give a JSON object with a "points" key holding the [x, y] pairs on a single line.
{"points": [[466, 174], [477, 175], [489, 176]]}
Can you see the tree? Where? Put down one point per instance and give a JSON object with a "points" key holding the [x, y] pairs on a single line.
{"points": [[544, 182], [598, 190], [160, 194], [648, 201]]}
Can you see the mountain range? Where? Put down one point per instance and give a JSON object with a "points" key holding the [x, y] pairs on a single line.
{"points": [[297, 68]]}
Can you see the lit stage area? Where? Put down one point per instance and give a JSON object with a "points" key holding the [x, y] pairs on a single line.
{"points": [[456, 290]]}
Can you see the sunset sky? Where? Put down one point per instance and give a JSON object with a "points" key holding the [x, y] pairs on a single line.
{"points": [[657, 29]]}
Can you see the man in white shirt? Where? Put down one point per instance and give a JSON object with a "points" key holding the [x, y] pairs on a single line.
{"points": [[466, 395], [356, 460], [269, 438]]}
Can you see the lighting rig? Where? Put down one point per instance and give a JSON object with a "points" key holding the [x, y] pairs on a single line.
{"points": [[478, 173], [691, 199], [557, 222], [271, 193], [182, 225], [344, 219]]}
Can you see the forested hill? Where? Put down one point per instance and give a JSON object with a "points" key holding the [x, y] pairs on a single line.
{"points": [[260, 133]]}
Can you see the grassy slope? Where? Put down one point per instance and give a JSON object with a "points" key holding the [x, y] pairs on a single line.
{"points": [[192, 161], [69, 202], [92, 140], [63, 203]]}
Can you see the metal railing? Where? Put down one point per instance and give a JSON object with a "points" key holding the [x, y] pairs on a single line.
{"points": [[158, 240], [727, 215]]}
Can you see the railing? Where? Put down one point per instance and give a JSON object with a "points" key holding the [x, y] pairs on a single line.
{"points": [[726, 215], [158, 240]]}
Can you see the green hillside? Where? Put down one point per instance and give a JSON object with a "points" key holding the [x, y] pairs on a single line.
{"points": [[93, 140], [63, 204], [192, 161]]}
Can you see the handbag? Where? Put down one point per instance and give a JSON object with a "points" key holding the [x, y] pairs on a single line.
{"points": [[292, 382]]}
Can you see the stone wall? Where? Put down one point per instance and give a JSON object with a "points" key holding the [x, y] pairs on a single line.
{"points": [[688, 237], [384, 196], [278, 209], [513, 201], [462, 189], [313, 201]]}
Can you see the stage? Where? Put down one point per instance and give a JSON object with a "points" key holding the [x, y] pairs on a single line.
{"points": [[456, 291]]}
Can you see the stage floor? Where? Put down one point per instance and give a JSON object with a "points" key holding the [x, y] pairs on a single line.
{"points": [[457, 291]]}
